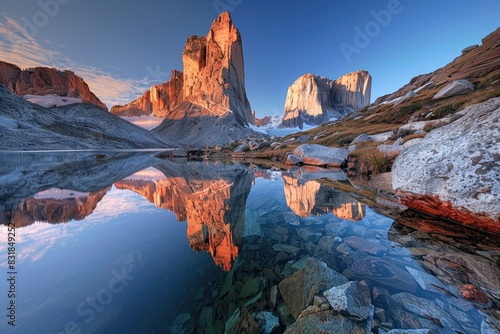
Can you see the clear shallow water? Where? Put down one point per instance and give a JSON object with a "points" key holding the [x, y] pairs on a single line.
{"points": [[133, 244]]}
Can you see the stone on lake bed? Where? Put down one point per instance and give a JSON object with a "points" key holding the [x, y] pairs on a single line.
{"points": [[285, 248], [350, 299], [325, 322], [365, 245], [371, 269], [179, 324], [291, 218], [299, 289], [409, 331], [251, 287], [268, 323]]}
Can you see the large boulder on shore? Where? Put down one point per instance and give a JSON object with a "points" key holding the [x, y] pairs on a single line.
{"points": [[319, 155], [454, 171], [455, 88]]}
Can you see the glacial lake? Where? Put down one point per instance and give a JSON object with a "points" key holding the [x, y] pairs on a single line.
{"points": [[134, 244]]}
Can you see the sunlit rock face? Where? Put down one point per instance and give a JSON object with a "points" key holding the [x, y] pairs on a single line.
{"points": [[453, 172], [217, 58], [212, 204], [46, 81], [159, 101], [313, 99], [214, 95], [53, 206], [311, 198]]}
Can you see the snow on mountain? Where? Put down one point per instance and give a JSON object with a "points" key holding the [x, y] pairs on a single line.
{"points": [[50, 101], [28, 126]]}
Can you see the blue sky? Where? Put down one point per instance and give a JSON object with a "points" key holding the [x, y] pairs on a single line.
{"points": [[122, 47]]}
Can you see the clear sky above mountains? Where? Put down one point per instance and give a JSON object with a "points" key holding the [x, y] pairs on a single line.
{"points": [[121, 47]]}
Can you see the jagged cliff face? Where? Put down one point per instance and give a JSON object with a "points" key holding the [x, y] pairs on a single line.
{"points": [[262, 121], [353, 90], [215, 109], [160, 100], [214, 76], [45, 81], [311, 198], [53, 210], [314, 100]]}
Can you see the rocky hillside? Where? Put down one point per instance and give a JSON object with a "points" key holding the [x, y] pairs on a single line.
{"points": [[438, 136], [476, 61], [46, 81], [160, 100], [314, 100], [28, 126], [212, 114]]}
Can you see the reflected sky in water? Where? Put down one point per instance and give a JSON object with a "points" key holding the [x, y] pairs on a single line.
{"points": [[135, 244]]}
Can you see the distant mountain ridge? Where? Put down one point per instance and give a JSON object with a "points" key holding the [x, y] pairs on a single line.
{"points": [[28, 126], [47, 81], [159, 101], [313, 99]]}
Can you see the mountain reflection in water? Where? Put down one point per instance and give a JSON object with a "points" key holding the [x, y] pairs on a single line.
{"points": [[258, 226]]}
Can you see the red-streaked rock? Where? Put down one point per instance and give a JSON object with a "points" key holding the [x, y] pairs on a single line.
{"points": [[453, 172], [434, 206]]}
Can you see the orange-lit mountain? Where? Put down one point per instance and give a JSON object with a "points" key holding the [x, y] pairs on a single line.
{"points": [[46, 81], [211, 199], [206, 104], [311, 198], [53, 210], [160, 100]]}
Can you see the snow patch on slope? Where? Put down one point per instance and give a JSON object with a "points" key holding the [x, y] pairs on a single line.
{"points": [[146, 122], [50, 101]]}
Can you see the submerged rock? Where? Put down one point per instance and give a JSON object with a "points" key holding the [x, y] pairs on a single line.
{"points": [[268, 323], [325, 322], [241, 322], [382, 272], [299, 289], [350, 299]]}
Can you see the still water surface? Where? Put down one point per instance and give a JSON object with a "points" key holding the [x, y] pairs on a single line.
{"points": [[135, 244]]}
